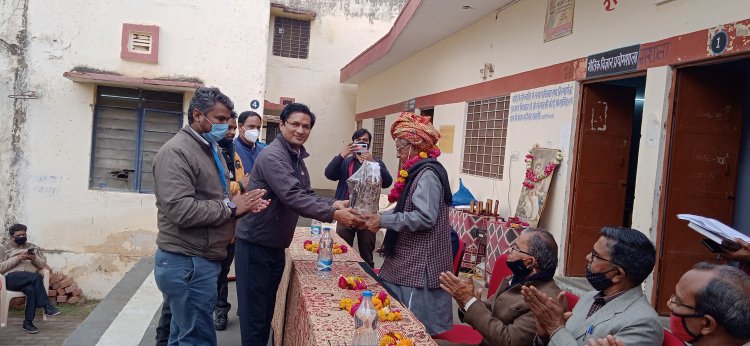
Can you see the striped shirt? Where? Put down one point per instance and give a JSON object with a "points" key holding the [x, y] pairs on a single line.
{"points": [[600, 300]]}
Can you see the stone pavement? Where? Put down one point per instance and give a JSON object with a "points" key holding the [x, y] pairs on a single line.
{"points": [[53, 331]]}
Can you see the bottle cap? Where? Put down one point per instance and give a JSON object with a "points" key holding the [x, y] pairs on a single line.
{"points": [[327, 228], [367, 293]]}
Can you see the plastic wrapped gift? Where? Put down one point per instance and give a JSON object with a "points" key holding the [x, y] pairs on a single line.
{"points": [[364, 188]]}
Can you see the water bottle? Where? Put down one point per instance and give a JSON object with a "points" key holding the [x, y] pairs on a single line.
{"points": [[325, 253], [366, 322], [315, 229]]}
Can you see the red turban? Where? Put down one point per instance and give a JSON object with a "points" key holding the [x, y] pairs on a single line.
{"points": [[416, 129]]}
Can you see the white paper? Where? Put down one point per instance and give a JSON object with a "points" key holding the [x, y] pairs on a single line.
{"points": [[714, 226], [565, 138]]}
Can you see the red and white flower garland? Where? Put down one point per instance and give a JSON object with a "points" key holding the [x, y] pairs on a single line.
{"points": [[531, 179], [403, 173]]}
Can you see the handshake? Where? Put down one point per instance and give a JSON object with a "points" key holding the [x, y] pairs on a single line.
{"points": [[351, 218]]}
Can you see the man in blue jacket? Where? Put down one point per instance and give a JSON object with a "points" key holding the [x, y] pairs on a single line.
{"points": [[341, 167]]}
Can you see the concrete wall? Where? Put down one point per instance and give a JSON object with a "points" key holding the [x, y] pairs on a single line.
{"points": [[97, 235], [340, 31], [513, 41]]}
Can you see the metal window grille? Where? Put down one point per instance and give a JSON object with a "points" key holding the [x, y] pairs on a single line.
{"points": [[291, 38], [378, 135], [130, 125], [485, 137]]}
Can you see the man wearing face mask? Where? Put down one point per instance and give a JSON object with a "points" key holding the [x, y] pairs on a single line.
{"points": [[710, 306], [620, 261], [196, 217], [247, 145], [505, 319], [21, 263]]}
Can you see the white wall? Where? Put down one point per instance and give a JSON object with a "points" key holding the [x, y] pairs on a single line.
{"points": [[339, 32], [513, 42], [651, 155], [98, 235]]}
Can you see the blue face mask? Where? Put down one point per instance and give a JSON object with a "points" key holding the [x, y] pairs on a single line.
{"points": [[217, 131]]}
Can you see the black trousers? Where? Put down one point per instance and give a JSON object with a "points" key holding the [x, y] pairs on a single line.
{"points": [[259, 271], [222, 285], [365, 241], [32, 285], [162, 329]]}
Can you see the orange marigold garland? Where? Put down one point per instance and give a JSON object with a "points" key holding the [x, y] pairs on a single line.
{"points": [[382, 303], [395, 339], [315, 247], [403, 173]]}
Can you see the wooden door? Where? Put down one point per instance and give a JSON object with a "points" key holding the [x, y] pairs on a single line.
{"points": [[702, 168], [599, 189]]}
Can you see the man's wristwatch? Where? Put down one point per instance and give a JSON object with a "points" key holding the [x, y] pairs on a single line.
{"points": [[233, 208]]}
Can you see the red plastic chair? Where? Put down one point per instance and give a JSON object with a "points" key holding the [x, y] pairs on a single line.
{"points": [[499, 272], [464, 334], [572, 300], [671, 340], [459, 256]]}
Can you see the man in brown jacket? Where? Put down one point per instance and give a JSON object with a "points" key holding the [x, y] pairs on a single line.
{"points": [[196, 215], [21, 264], [505, 319]]}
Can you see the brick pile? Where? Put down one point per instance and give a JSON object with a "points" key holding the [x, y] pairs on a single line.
{"points": [[63, 289]]}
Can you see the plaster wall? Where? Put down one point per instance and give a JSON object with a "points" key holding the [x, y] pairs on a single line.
{"points": [[98, 235], [339, 32], [513, 41]]}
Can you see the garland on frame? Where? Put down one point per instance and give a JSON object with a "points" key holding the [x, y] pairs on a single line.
{"points": [[531, 178]]}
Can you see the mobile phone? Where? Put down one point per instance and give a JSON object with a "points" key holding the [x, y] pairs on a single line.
{"points": [[361, 148], [30, 251], [712, 246]]}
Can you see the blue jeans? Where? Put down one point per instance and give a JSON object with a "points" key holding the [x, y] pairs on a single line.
{"points": [[188, 285]]}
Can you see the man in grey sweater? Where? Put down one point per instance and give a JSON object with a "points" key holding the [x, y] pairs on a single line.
{"points": [[196, 217], [261, 238]]}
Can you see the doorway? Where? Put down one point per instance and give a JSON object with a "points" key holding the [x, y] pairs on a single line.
{"points": [[706, 172], [606, 162]]}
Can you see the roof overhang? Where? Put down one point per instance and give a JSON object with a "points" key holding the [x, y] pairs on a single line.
{"points": [[133, 82], [420, 24]]}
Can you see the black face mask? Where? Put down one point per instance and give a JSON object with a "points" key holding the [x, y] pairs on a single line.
{"points": [[599, 281], [20, 240], [225, 143], [520, 271]]}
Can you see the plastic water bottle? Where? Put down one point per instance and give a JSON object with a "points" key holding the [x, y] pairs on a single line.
{"points": [[325, 253], [315, 228], [366, 322]]}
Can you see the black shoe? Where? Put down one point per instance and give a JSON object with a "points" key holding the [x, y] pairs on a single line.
{"points": [[29, 327], [220, 319], [51, 310]]}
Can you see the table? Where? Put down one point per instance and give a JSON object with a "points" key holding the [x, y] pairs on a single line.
{"points": [[307, 305], [499, 238]]}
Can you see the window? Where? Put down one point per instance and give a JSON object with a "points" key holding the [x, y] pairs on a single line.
{"points": [[140, 43], [130, 125], [378, 133], [272, 131], [291, 38], [484, 139]]}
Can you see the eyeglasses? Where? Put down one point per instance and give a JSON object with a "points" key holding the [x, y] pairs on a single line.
{"points": [[295, 126], [597, 256], [401, 147], [673, 301], [515, 248]]}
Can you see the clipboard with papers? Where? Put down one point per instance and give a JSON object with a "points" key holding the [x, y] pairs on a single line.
{"points": [[715, 231]]}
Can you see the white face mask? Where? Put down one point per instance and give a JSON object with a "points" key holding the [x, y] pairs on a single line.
{"points": [[252, 135]]}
